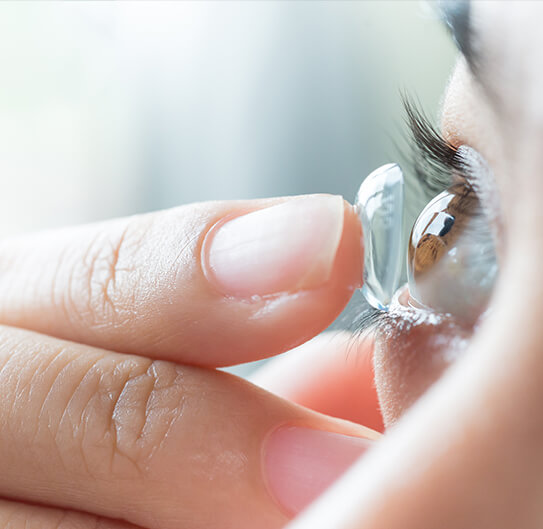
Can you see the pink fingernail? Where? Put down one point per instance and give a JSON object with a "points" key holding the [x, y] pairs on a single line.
{"points": [[286, 247], [301, 463]]}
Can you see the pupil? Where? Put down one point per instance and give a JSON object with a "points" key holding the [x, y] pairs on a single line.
{"points": [[447, 225]]}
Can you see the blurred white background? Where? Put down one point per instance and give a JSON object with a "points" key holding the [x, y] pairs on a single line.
{"points": [[108, 109]]}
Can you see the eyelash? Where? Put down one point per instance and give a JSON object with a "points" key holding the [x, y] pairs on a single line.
{"points": [[432, 160], [432, 165]]}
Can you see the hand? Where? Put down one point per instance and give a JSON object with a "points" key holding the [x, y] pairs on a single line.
{"points": [[150, 435]]}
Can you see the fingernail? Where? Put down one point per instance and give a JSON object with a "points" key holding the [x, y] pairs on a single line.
{"points": [[286, 247], [301, 463]]}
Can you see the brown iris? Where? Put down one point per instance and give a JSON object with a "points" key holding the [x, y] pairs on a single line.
{"points": [[439, 226]]}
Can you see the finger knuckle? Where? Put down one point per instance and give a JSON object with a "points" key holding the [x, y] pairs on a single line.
{"points": [[100, 287], [132, 406]]}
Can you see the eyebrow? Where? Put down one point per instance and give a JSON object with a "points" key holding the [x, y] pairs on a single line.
{"points": [[456, 16]]}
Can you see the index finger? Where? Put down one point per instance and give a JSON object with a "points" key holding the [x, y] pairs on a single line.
{"points": [[211, 284]]}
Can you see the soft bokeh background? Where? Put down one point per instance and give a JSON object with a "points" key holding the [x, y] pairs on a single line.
{"points": [[110, 109]]}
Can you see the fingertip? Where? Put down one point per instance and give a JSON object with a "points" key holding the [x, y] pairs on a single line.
{"points": [[284, 247], [278, 321], [350, 254]]}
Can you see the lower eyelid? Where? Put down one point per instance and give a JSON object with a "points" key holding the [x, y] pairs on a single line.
{"points": [[413, 347], [404, 317]]}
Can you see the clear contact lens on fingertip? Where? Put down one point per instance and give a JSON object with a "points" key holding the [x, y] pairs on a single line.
{"points": [[380, 205]]}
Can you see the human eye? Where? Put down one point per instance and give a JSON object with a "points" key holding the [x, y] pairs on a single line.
{"points": [[450, 264], [451, 261]]}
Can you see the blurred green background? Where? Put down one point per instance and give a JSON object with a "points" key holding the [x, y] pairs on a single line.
{"points": [[109, 109]]}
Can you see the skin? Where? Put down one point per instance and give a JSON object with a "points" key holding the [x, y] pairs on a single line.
{"points": [[465, 448], [153, 437], [468, 452]]}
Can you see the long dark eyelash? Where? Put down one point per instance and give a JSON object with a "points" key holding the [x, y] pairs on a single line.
{"points": [[433, 159]]}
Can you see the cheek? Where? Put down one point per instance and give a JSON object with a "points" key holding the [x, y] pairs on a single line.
{"points": [[409, 358]]}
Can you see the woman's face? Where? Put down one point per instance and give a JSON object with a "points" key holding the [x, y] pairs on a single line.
{"points": [[493, 104], [466, 448]]}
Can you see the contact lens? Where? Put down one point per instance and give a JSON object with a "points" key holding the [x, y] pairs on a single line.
{"points": [[379, 205], [452, 262]]}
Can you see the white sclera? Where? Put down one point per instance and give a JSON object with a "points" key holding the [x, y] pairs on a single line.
{"points": [[379, 204]]}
